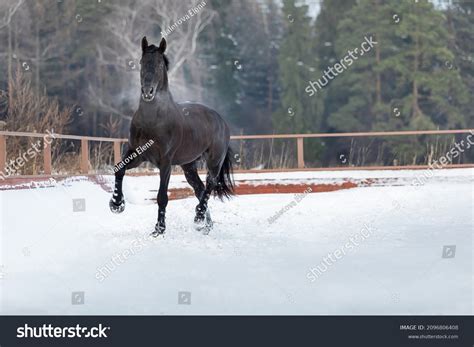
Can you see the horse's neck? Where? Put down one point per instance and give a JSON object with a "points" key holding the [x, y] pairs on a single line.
{"points": [[164, 101], [163, 107]]}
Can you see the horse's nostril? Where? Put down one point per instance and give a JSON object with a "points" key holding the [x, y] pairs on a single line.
{"points": [[151, 90], [143, 91]]}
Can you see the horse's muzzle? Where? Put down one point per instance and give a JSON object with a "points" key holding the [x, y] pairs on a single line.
{"points": [[148, 94]]}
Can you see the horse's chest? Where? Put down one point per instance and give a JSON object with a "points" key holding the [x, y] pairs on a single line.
{"points": [[144, 140], [160, 139]]}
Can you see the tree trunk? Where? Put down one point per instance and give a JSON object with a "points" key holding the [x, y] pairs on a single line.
{"points": [[9, 67], [37, 50], [378, 82], [415, 106]]}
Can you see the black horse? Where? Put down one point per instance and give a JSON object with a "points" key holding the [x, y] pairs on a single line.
{"points": [[181, 134]]}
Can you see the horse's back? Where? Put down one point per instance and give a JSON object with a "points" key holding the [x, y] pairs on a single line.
{"points": [[202, 117], [204, 130]]}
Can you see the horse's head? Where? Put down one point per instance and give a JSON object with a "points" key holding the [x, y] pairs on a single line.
{"points": [[153, 71]]}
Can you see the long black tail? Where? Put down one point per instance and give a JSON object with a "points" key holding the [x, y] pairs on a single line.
{"points": [[225, 181]]}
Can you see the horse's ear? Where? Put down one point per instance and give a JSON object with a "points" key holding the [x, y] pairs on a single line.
{"points": [[162, 47], [144, 43]]}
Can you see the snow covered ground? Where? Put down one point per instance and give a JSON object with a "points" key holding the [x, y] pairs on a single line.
{"points": [[55, 260]]}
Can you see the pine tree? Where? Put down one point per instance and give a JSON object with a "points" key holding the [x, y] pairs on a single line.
{"points": [[298, 113], [361, 98], [460, 18], [256, 71], [403, 82], [241, 48], [423, 66], [325, 28], [222, 51]]}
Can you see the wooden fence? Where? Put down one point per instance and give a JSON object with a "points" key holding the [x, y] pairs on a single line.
{"points": [[299, 138]]}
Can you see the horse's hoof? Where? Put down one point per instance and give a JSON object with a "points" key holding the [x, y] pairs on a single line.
{"points": [[156, 233], [117, 208], [206, 229], [159, 230], [204, 223], [199, 219], [209, 222]]}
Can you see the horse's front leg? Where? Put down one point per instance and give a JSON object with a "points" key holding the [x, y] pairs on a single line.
{"points": [[165, 173], [129, 161]]}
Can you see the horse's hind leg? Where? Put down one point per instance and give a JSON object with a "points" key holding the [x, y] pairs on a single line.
{"points": [[202, 212], [192, 176], [117, 203]]}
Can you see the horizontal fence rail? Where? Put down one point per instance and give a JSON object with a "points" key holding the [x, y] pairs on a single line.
{"points": [[85, 165]]}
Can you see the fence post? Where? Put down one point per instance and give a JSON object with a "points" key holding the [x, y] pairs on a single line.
{"points": [[84, 156], [47, 157], [3, 153], [300, 151], [117, 152]]}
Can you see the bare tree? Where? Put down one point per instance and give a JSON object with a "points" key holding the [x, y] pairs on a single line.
{"points": [[9, 8], [124, 27]]}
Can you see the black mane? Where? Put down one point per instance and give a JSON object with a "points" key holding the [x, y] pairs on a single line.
{"points": [[153, 49]]}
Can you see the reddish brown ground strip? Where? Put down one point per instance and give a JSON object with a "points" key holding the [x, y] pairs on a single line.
{"points": [[275, 188], [245, 188]]}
